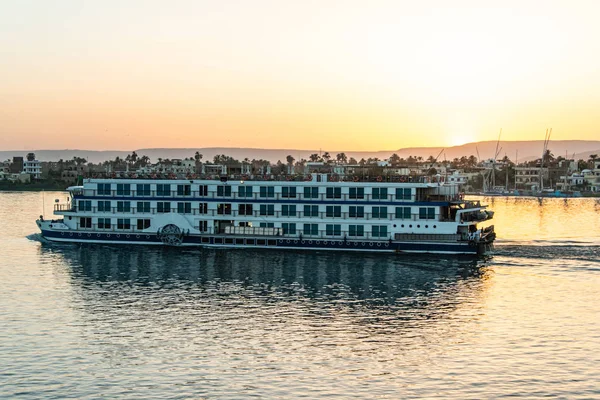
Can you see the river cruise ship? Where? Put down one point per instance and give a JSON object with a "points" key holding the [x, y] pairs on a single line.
{"points": [[316, 212]]}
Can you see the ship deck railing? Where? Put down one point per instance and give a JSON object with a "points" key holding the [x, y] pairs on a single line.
{"points": [[373, 178], [325, 234], [298, 196], [321, 215], [425, 237]]}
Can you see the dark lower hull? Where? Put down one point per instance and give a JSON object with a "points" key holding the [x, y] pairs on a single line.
{"points": [[274, 242]]}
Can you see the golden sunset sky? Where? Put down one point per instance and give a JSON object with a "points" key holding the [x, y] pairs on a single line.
{"points": [[336, 75]]}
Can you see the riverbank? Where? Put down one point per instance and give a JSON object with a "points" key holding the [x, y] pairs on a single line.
{"points": [[32, 186], [545, 196]]}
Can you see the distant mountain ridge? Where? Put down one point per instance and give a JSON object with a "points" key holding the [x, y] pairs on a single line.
{"points": [[527, 150]]}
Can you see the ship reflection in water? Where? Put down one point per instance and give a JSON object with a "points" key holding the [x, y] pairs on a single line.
{"points": [[223, 283], [379, 278]]}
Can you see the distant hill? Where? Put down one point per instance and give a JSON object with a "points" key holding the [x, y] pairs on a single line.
{"points": [[527, 150]]}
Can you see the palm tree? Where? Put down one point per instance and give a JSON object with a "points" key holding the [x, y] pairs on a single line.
{"points": [[197, 157], [144, 160], [134, 157], [290, 160], [314, 157], [326, 157], [341, 158], [548, 157]]}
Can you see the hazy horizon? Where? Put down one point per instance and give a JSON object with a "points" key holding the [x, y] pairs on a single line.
{"points": [[515, 150]]}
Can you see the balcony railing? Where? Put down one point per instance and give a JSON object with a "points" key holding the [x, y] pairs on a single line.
{"points": [[320, 215]]}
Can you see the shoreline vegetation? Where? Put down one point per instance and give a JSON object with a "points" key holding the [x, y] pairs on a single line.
{"points": [[57, 176]]}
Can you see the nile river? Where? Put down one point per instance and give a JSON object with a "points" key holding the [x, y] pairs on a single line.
{"points": [[127, 322]]}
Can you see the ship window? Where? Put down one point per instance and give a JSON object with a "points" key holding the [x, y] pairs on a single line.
{"points": [[203, 208], [85, 222], [357, 211], [379, 230], [163, 189], [103, 223], [123, 189], [333, 212], [288, 210], [104, 206], [184, 190], [203, 226], [85, 205], [224, 191], [403, 212], [143, 207], [224, 208], [379, 194], [356, 230], [403, 194], [245, 209], [267, 225], [288, 228], [426, 212], [163, 206], [123, 206], [311, 211], [267, 191], [184, 207], [267, 209], [143, 189], [261, 242], [203, 190], [311, 192], [357, 193], [245, 191], [288, 192], [104, 189], [379, 212], [333, 230], [143, 224], [333, 193], [123, 223], [311, 229]]}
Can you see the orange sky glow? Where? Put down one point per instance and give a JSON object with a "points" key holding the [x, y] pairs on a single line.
{"points": [[339, 75]]}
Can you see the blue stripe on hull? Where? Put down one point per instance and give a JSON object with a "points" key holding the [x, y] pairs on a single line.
{"points": [[298, 244]]}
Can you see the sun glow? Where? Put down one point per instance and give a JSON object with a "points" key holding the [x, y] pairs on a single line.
{"points": [[458, 140]]}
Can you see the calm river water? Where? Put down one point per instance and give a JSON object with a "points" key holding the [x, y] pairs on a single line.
{"points": [[117, 322]]}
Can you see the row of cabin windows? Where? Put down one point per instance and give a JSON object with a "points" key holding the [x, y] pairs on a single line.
{"points": [[336, 230], [121, 223], [288, 228], [265, 209], [164, 189]]}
